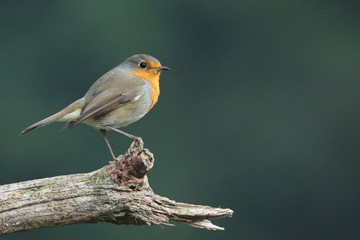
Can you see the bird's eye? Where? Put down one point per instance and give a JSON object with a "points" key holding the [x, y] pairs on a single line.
{"points": [[142, 64]]}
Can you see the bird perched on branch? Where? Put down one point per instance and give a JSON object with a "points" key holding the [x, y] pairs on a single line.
{"points": [[118, 98]]}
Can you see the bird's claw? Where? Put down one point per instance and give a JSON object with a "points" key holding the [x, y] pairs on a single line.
{"points": [[137, 143]]}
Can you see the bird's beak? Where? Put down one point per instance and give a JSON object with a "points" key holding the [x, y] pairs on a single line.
{"points": [[160, 69]]}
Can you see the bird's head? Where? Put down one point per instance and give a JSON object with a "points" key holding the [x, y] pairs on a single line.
{"points": [[144, 66]]}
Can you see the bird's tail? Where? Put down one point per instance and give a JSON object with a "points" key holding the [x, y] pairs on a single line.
{"points": [[70, 113]]}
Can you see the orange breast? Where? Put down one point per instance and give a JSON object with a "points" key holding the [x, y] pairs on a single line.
{"points": [[153, 79], [155, 89]]}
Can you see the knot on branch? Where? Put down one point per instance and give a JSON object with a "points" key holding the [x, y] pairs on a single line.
{"points": [[130, 169]]}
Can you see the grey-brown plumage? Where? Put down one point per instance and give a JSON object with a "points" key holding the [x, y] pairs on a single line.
{"points": [[120, 97]]}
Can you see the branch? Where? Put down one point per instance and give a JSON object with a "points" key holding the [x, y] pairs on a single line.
{"points": [[118, 193]]}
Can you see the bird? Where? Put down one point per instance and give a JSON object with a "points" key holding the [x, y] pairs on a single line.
{"points": [[120, 97]]}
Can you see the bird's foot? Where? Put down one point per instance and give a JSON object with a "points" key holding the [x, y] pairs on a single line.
{"points": [[137, 143], [119, 157]]}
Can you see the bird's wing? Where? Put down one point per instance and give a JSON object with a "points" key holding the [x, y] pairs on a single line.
{"points": [[104, 102], [113, 90]]}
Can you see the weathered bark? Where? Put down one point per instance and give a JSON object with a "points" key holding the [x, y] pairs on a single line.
{"points": [[118, 193]]}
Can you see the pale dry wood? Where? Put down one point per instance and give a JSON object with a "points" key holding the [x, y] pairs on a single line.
{"points": [[118, 193]]}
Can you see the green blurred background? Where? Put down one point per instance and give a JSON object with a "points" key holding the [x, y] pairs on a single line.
{"points": [[259, 113]]}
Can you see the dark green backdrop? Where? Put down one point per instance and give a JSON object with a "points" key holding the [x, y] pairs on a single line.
{"points": [[259, 113]]}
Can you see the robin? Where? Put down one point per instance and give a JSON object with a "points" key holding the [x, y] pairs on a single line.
{"points": [[118, 98]]}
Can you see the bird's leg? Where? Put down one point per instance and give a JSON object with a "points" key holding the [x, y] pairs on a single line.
{"points": [[134, 138], [124, 133], [103, 133]]}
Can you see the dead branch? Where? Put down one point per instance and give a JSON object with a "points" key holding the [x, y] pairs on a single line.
{"points": [[118, 193]]}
